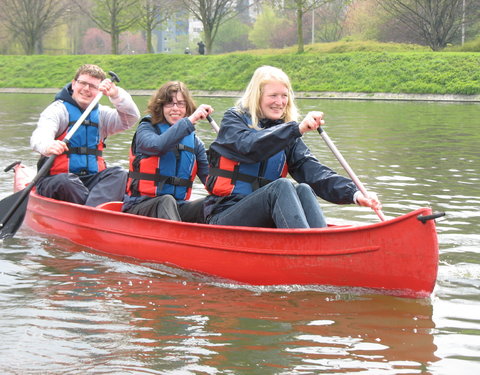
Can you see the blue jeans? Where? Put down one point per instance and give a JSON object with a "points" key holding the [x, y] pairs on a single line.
{"points": [[280, 204]]}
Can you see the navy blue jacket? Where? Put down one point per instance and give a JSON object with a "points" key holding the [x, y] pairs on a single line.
{"points": [[237, 141]]}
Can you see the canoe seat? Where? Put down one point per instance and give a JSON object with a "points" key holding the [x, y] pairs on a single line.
{"points": [[111, 206]]}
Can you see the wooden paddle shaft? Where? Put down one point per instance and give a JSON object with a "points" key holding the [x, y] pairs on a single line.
{"points": [[347, 168], [213, 124]]}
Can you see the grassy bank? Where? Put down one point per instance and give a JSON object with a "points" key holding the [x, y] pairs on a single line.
{"points": [[411, 72]]}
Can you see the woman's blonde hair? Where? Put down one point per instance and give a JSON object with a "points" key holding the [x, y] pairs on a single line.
{"points": [[165, 94], [250, 101]]}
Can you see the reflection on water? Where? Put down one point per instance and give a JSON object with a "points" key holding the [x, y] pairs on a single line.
{"points": [[66, 310], [114, 316]]}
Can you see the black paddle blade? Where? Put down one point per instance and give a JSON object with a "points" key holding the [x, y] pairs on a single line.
{"points": [[13, 223]]}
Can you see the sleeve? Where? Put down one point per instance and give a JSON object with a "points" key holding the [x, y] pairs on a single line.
{"points": [[122, 117], [202, 161], [149, 142], [52, 122], [304, 167], [237, 141]]}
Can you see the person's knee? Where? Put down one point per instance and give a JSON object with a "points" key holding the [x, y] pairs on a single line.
{"points": [[168, 200], [283, 184], [304, 189], [117, 173]]}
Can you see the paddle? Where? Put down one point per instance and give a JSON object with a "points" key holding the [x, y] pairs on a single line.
{"points": [[213, 124], [14, 207], [349, 170]]}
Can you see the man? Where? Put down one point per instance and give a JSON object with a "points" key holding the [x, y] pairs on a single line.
{"points": [[79, 173], [201, 48]]}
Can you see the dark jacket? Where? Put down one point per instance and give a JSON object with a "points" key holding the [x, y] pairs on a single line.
{"points": [[239, 142]]}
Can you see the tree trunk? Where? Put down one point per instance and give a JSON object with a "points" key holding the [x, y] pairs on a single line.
{"points": [[115, 42], [208, 41], [149, 41], [300, 27]]}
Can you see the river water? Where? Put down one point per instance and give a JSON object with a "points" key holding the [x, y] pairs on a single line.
{"points": [[67, 310]]}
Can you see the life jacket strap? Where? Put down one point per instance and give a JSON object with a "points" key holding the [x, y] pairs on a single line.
{"points": [[84, 151], [235, 175], [160, 180]]}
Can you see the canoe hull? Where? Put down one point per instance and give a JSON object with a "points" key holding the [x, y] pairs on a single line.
{"points": [[398, 256]]}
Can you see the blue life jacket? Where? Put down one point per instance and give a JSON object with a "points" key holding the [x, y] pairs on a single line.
{"points": [[84, 155], [172, 173]]}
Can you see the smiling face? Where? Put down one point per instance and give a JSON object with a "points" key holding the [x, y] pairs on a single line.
{"points": [[85, 88], [176, 109], [274, 100]]}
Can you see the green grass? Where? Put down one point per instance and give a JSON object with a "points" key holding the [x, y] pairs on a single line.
{"points": [[366, 67]]}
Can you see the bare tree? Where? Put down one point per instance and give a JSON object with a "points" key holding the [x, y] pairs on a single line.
{"points": [[30, 20], [213, 13], [331, 18], [435, 21], [152, 14], [111, 16]]}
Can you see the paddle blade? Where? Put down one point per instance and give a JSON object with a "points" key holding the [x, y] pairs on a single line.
{"points": [[13, 223]]}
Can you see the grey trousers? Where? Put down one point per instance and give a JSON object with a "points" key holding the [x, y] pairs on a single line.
{"points": [[91, 190]]}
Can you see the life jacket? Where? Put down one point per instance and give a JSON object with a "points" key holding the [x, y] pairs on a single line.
{"points": [[84, 155], [226, 177], [172, 173]]}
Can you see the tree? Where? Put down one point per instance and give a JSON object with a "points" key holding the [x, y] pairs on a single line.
{"points": [[267, 29], [151, 14], [331, 18], [30, 20], [232, 36], [213, 13], [436, 22], [112, 16], [96, 42], [300, 7]]}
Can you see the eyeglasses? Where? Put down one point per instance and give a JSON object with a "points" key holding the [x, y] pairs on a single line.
{"points": [[180, 104], [85, 84]]}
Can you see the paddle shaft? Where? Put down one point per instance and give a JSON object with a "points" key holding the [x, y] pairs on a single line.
{"points": [[49, 162], [347, 168], [213, 124]]}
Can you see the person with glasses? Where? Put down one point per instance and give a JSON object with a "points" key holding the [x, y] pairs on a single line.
{"points": [[259, 142], [79, 173], [166, 156]]}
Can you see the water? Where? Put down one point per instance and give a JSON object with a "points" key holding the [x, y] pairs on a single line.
{"points": [[67, 310]]}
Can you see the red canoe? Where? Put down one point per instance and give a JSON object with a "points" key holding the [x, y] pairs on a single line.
{"points": [[397, 256]]}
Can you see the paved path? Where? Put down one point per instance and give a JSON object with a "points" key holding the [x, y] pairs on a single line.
{"points": [[298, 94]]}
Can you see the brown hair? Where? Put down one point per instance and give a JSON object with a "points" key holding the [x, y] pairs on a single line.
{"points": [[91, 70], [165, 94]]}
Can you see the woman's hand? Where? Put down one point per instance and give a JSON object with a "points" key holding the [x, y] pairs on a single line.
{"points": [[312, 121], [370, 201], [200, 113]]}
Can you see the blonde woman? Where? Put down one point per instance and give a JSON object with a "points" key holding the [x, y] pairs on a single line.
{"points": [[259, 142]]}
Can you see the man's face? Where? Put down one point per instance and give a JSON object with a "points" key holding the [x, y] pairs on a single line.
{"points": [[85, 88]]}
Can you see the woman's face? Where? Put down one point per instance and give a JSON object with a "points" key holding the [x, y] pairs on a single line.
{"points": [[274, 100], [176, 109]]}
